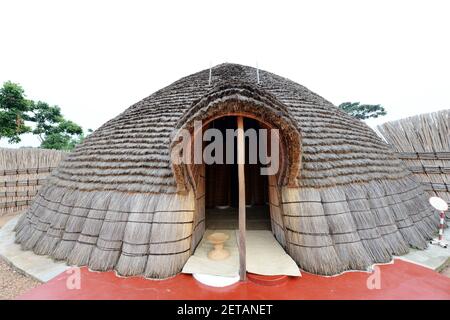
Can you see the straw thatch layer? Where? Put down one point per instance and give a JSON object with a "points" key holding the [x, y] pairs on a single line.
{"points": [[114, 202], [326, 230], [246, 100], [132, 151]]}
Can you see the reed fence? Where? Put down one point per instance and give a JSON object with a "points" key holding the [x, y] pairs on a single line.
{"points": [[22, 172], [423, 143]]}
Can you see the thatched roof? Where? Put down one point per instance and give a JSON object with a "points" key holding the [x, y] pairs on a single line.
{"points": [[113, 203]]}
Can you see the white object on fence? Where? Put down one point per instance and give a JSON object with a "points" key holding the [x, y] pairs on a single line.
{"points": [[442, 206]]}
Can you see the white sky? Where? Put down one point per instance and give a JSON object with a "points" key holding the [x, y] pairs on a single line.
{"points": [[96, 58]]}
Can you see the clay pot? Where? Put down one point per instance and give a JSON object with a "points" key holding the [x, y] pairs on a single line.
{"points": [[218, 239]]}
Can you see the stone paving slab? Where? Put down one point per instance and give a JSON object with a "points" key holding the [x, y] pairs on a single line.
{"points": [[434, 257], [41, 268]]}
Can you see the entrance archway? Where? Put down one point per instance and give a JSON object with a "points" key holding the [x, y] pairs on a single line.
{"points": [[192, 176], [222, 184], [237, 196]]}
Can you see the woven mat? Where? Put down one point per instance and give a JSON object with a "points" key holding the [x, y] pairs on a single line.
{"points": [[265, 256]]}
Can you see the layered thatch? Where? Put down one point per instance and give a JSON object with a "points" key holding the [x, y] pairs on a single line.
{"points": [[22, 172], [117, 202], [423, 143]]}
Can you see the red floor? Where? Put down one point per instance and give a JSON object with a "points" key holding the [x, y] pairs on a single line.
{"points": [[401, 280]]}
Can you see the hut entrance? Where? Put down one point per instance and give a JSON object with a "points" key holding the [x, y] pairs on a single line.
{"points": [[222, 185], [235, 197]]}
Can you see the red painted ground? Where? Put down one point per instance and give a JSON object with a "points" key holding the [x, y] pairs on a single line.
{"points": [[401, 280]]}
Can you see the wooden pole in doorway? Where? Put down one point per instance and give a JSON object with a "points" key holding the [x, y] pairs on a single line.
{"points": [[241, 177]]}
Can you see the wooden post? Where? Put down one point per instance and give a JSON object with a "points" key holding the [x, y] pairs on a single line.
{"points": [[241, 176]]}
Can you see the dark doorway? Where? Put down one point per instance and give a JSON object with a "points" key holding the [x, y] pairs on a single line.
{"points": [[222, 192]]}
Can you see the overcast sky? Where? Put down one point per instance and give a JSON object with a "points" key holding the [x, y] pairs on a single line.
{"points": [[96, 58]]}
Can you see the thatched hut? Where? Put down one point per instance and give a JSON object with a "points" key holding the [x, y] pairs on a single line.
{"points": [[341, 200]]}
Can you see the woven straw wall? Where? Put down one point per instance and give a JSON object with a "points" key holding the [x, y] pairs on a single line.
{"points": [[22, 172], [423, 143]]}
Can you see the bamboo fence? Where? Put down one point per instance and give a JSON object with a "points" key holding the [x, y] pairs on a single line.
{"points": [[423, 143], [22, 172]]}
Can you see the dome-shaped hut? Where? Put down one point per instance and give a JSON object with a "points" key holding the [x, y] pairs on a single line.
{"points": [[340, 200]]}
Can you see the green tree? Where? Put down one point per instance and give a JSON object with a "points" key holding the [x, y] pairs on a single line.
{"points": [[363, 111], [13, 112], [53, 131], [45, 121]]}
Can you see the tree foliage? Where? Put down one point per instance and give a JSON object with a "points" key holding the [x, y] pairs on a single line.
{"points": [[363, 111], [52, 129], [46, 121], [13, 109]]}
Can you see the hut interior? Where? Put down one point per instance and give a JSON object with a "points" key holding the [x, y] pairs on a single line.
{"points": [[222, 192], [260, 239]]}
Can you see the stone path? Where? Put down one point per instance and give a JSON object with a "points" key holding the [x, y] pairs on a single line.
{"points": [[41, 268], [13, 283], [434, 257]]}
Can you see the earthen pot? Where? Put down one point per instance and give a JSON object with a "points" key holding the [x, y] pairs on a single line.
{"points": [[218, 239]]}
